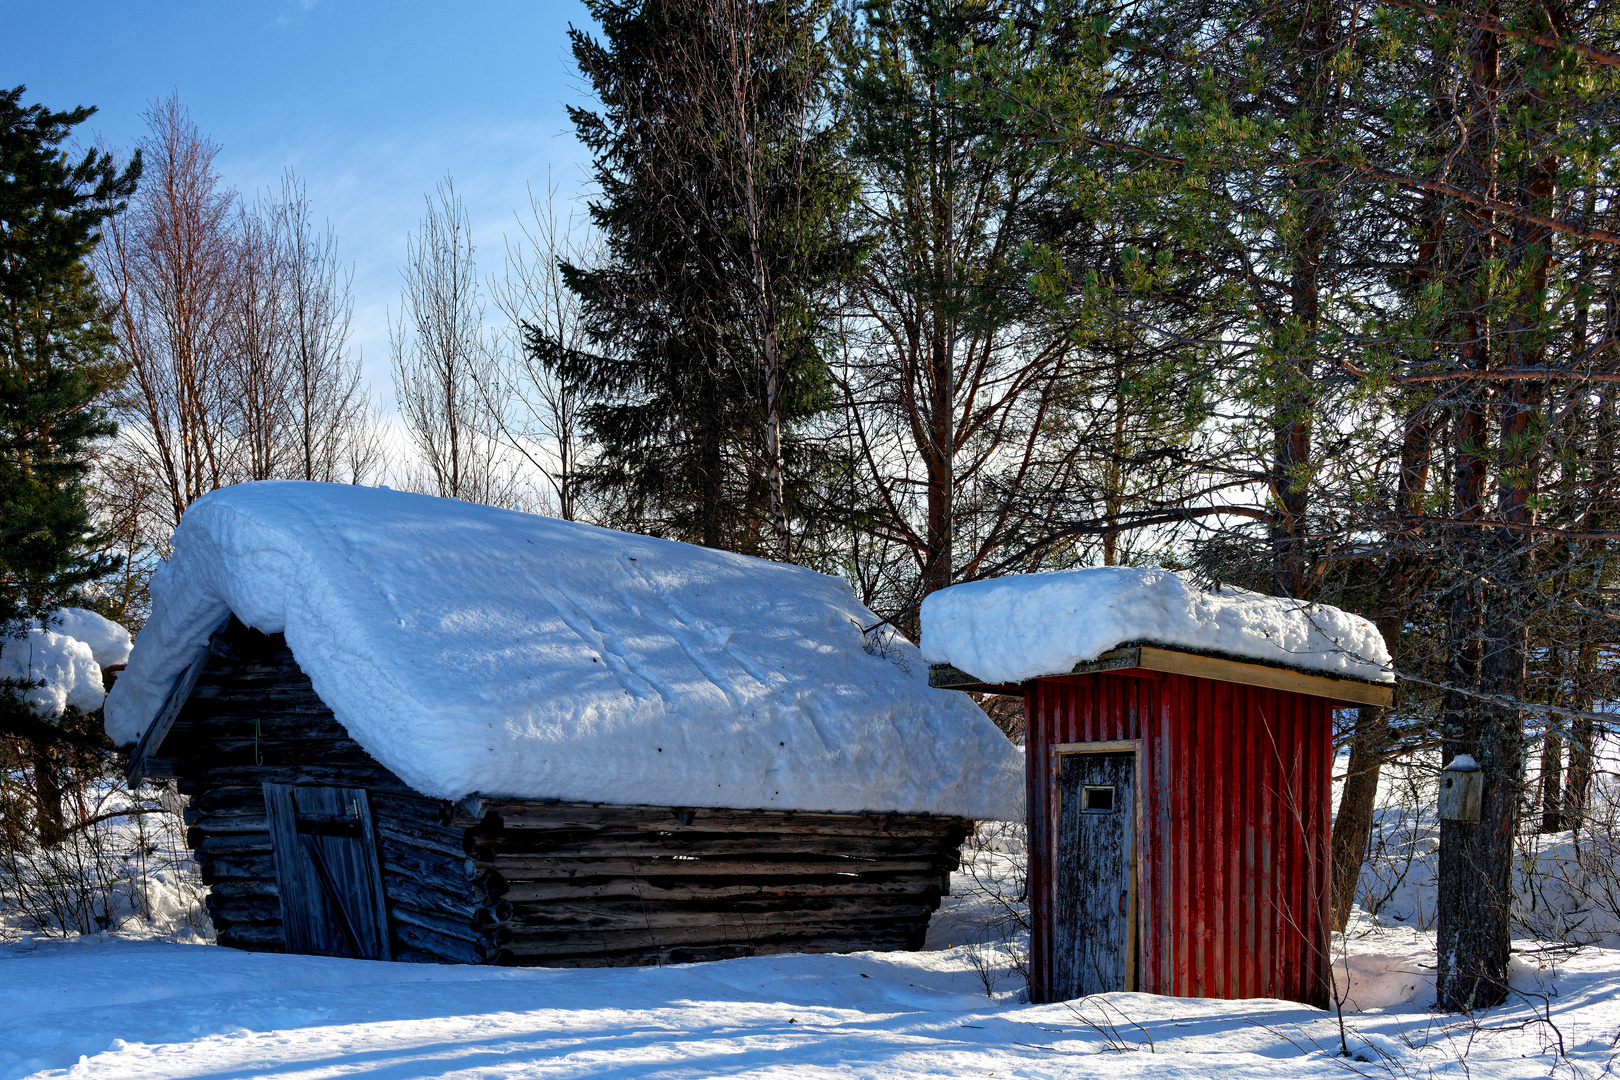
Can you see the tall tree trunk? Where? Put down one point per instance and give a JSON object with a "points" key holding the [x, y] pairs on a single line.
{"points": [[1476, 901], [1472, 938], [941, 528], [1577, 793], [50, 824], [1294, 420], [773, 447], [711, 468], [940, 539], [1552, 756], [1582, 733], [1352, 825], [1552, 776]]}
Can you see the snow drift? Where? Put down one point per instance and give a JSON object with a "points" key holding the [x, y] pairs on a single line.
{"points": [[66, 659], [471, 649], [1006, 630]]}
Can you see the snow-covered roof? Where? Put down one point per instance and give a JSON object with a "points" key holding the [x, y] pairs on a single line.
{"points": [[471, 649], [1006, 630]]}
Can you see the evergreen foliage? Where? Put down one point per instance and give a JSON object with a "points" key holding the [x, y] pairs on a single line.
{"points": [[54, 353], [1397, 231], [721, 208]]}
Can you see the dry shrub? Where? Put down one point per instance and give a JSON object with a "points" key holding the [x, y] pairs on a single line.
{"points": [[122, 866]]}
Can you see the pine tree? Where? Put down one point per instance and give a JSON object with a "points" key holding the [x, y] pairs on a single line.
{"points": [[54, 352], [54, 366], [1407, 223]]}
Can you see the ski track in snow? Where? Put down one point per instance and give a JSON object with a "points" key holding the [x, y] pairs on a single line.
{"points": [[124, 1009]]}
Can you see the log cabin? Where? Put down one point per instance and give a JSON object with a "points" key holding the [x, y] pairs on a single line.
{"points": [[1179, 748], [417, 729]]}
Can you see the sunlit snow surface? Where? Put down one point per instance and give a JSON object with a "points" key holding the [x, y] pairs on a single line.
{"points": [[62, 669], [109, 643], [471, 649], [1008, 629], [64, 662], [127, 1009]]}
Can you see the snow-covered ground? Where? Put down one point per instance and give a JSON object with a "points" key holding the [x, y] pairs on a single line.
{"points": [[111, 1005], [169, 1005], [120, 1008]]}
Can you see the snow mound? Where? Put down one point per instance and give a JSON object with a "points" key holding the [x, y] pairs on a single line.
{"points": [[1006, 630], [1377, 972], [109, 642], [471, 649], [66, 666]]}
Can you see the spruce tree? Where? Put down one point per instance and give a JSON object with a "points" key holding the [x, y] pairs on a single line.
{"points": [[55, 364], [55, 352], [722, 206]]}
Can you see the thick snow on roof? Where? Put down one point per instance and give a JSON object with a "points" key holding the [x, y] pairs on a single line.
{"points": [[471, 649], [65, 667], [1005, 630]]}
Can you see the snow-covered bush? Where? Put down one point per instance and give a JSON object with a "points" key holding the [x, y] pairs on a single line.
{"points": [[79, 852], [1568, 883], [123, 866]]}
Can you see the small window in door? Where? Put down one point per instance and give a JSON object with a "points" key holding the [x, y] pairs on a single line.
{"points": [[1097, 800]]}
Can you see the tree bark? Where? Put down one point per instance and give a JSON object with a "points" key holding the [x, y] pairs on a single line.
{"points": [[1552, 795], [1352, 825], [50, 823], [940, 539], [1472, 940], [1577, 793]]}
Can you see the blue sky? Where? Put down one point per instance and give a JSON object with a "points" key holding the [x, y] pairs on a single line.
{"points": [[369, 102]]}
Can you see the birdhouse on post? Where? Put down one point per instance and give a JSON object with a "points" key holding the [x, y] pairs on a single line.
{"points": [[1179, 755]]}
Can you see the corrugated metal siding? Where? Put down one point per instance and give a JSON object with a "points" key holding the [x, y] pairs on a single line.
{"points": [[1233, 897]]}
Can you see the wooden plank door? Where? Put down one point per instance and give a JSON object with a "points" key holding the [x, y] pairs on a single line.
{"points": [[1093, 940], [327, 871]]}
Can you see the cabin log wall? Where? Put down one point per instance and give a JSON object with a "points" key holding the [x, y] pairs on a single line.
{"points": [[592, 884], [253, 718], [526, 882]]}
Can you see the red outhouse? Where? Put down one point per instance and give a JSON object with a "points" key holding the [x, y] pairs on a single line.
{"points": [[1179, 820]]}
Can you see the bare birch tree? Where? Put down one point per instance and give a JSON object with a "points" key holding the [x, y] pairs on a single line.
{"points": [[255, 355], [542, 425], [441, 358], [330, 427], [169, 266]]}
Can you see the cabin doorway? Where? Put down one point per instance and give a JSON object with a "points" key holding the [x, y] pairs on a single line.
{"points": [[327, 871], [1094, 940]]}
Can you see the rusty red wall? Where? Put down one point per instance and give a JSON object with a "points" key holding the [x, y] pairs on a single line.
{"points": [[1232, 897]]}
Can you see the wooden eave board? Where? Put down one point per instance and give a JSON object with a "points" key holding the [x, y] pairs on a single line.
{"points": [[946, 677], [1198, 665], [151, 739]]}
